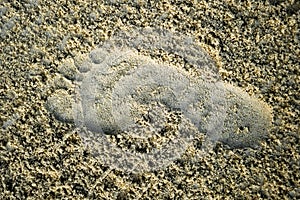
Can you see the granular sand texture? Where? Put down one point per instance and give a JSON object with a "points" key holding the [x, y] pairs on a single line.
{"points": [[254, 46]]}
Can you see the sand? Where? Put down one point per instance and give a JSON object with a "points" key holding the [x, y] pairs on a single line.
{"points": [[255, 45]]}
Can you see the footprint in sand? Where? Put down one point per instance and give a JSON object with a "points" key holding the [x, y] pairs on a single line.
{"points": [[143, 96]]}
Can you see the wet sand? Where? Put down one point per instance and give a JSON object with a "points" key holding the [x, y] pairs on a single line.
{"points": [[255, 45]]}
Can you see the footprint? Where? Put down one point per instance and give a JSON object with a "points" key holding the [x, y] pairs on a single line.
{"points": [[142, 96]]}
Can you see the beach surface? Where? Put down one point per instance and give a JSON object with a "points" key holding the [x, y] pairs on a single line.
{"points": [[254, 44]]}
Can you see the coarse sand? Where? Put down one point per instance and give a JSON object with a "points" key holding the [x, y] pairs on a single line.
{"points": [[256, 47]]}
